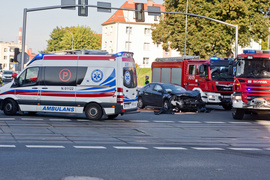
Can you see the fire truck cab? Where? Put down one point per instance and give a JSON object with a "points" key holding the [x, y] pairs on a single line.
{"points": [[210, 77], [251, 88]]}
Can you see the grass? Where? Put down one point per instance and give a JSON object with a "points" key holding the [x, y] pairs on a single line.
{"points": [[141, 73]]}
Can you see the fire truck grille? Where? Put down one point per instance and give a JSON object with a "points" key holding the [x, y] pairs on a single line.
{"points": [[224, 88]]}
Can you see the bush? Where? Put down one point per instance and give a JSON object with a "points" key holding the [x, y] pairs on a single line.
{"points": [[141, 73]]}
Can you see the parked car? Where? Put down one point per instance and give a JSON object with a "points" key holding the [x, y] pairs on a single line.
{"points": [[169, 96], [7, 75]]}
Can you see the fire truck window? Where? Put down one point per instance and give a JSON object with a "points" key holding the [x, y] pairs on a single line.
{"points": [[156, 74], [166, 75], [60, 76], [176, 76], [191, 70], [29, 77]]}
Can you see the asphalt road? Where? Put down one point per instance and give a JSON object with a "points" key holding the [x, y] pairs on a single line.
{"points": [[136, 146]]}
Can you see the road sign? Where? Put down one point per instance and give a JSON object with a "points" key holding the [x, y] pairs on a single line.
{"points": [[26, 58], [103, 7], [67, 3]]}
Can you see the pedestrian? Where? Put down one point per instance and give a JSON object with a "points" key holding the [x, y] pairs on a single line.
{"points": [[146, 80]]}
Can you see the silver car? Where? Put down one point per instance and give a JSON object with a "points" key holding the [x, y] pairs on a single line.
{"points": [[7, 75]]}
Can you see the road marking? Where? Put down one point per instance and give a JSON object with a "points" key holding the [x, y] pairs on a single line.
{"points": [[191, 122], [245, 149], [170, 148], [239, 122], [7, 146], [207, 149], [267, 149], [7, 119], [43, 146], [139, 121], [90, 147], [214, 122], [60, 119], [83, 120], [31, 119], [129, 147], [163, 121]]}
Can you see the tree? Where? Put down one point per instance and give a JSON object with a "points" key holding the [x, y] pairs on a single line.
{"points": [[207, 38], [83, 38]]}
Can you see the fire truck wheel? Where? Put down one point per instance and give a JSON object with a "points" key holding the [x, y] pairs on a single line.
{"points": [[93, 111], [166, 105], [10, 107], [140, 103], [238, 114], [112, 116]]}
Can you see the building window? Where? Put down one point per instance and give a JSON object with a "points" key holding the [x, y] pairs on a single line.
{"points": [[106, 29], [146, 46], [128, 30], [5, 49], [128, 45], [5, 57], [11, 50], [105, 44], [145, 60], [155, 18], [110, 45], [147, 31], [111, 29]]}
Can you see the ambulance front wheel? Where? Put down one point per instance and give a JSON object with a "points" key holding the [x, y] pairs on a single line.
{"points": [[93, 111], [10, 107]]}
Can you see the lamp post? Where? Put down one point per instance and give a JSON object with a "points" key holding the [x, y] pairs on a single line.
{"points": [[72, 37], [186, 31]]}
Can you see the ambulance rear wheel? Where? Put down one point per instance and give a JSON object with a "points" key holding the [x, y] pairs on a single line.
{"points": [[10, 107], [93, 111], [238, 114]]}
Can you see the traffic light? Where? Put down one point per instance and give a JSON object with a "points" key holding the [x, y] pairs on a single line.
{"points": [[16, 52], [83, 10], [139, 13]]}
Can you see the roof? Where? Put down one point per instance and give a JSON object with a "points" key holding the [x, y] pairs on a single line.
{"points": [[118, 16]]}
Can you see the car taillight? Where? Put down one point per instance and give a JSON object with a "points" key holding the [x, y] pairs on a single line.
{"points": [[120, 95]]}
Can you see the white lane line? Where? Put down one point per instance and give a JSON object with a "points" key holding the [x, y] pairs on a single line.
{"points": [[267, 149], [170, 148], [7, 146], [163, 121], [83, 120], [31, 119], [239, 122], [207, 149], [139, 121], [191, 122], [90, 147], [214, 122], [7, 119], [245, 149], [129, 147], [60, 119], [43, 146]]}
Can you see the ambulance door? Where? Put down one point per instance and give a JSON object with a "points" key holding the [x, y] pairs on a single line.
{"points": [[58, 89], [130, 85], [27, 89]]}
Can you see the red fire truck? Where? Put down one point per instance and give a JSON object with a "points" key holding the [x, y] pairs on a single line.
{"points": [[251, 83], [210, 77]]}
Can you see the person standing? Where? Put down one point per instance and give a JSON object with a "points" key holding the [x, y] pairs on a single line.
{"points": [[146, 80]]}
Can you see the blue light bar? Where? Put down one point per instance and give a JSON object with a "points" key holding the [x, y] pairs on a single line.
{"points": [[215, 58], [123, 54], [249, 51]]}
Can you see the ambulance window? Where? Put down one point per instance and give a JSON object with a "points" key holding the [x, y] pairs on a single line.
{"points": [[60, 76], [81, 74], [29, 77], [130, 77], [191, 70]]}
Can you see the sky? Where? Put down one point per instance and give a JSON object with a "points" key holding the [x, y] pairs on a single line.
{"points": [[41, 23]]}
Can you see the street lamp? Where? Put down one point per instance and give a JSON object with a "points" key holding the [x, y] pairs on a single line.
{"points": [[186, 31], [72, 37]]}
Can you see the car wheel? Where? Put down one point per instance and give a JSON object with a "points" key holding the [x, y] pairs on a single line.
{"points": [[140, 103], [10, 107], [166, 105], [93, 111], [112, 116], [238, 114]]}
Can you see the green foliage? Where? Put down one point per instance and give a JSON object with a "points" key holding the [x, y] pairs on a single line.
{"points": [[141, 73], [83, 38], [207, 38]]}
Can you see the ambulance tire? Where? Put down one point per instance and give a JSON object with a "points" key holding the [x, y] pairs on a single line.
{"points": [[112, 116], [238, 114], [10, 107], [93, 111]]}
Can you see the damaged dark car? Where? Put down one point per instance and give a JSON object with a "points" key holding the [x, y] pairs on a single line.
{"points": [[169, 97]]}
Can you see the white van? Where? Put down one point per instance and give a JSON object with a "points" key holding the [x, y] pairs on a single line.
{"points": [[96, 85]]}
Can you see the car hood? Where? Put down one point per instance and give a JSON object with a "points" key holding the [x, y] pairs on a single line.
{"points": [[188, 93]]}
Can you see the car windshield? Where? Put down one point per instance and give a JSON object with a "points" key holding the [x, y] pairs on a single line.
{"points": [[173, 88], [221, 73], [7, 72], [254, 68]]}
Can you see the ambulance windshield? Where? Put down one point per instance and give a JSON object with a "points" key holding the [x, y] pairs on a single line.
{"points": [[130, 77], [253, 68]]}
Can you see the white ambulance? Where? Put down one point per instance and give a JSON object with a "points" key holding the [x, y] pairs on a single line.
{"points": [[97, 85]]}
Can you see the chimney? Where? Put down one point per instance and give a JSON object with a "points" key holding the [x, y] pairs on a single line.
{"points": [[20, 36], [150, 2], [130, 1]]}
